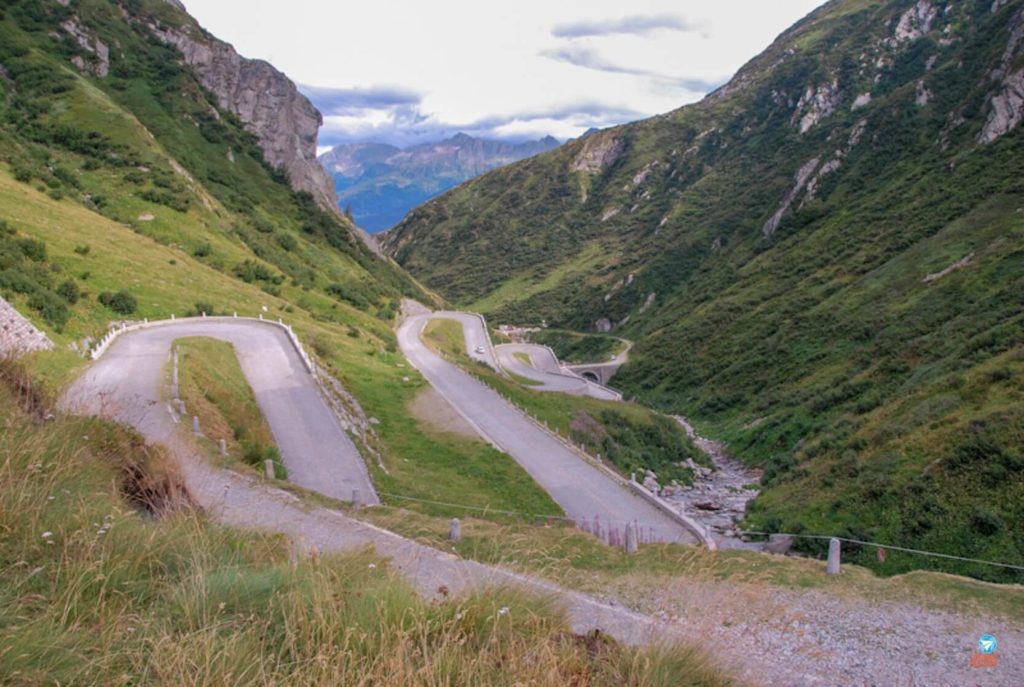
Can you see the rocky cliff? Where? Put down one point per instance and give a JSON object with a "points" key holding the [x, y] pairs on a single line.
{"points": [[266, 100]]}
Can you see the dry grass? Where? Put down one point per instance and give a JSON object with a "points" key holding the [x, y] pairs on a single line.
{"points": [[96, 590]]}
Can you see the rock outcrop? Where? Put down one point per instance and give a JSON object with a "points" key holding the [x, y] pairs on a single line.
{"points": [[599, 151], [99, 64], [916, 22], [803, 175], [267, 102], [816, 104], [1007, 104]]}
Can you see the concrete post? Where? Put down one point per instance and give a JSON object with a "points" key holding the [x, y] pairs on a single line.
{"points": [[357, 499], [268, 468], [455, 530], [195, 424], [631, 537], [834, 553], [223, 447]]}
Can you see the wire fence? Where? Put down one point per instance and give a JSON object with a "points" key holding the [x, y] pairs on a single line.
{"points": [[890, 547], [607, 530], [612, 532]]}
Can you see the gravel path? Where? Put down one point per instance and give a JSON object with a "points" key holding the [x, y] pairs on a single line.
{"points": [[813, 638]]}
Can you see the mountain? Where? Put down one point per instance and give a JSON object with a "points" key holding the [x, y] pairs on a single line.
{"points": [[128, 120], [821, 264], [382, 183]]}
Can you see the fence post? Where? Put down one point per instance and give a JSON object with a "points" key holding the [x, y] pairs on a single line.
{"points": [[834, 553], [195, 424], [268, 468], [631, 538], [455, 530], [357, 500], [223, 447]]}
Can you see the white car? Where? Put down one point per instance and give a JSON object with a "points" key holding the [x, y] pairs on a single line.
{"points": [[479, 350]]}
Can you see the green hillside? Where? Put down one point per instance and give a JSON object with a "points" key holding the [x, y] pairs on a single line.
{"points": [[148, 147], [118, 201], [821, 263]]}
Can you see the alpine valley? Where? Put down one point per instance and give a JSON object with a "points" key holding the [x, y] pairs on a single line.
{"points": [[379, 183], [821, 264]]}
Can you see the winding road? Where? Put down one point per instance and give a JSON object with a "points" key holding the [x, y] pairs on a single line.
{"points": [[579, 487], [127, 383], [545, 369]]}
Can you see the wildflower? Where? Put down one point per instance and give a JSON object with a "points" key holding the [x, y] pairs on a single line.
{"points": [[47, 534], [503, 610], [372, 566]]}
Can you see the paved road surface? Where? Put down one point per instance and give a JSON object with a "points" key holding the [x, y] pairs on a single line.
{"points": [[580, 488], [127, 384], [545, 368]]}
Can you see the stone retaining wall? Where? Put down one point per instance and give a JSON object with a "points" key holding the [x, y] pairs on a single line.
{"points": [[18, 336]]}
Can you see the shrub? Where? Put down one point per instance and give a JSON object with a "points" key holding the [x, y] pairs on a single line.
{"points": [[32, 249], [201, 307], [250, 271], [122, 302], [69, 291], [202, 249], [50, 307]]}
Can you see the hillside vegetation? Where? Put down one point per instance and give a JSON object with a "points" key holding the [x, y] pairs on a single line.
{"points": [[81, 246], [97, 111], [96, 590], [821, 264]]}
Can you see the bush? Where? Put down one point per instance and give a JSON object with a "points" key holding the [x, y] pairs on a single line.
{"points": [[32, 249], [202, 249], [50, 307], [69, 291], [122, 302], [200, 308], [250, 271]]}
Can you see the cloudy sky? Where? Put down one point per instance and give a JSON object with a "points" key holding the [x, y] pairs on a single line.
{"points": [[409, 71]]}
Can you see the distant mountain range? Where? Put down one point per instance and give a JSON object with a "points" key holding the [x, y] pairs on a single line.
{"points": [[381, 183]]}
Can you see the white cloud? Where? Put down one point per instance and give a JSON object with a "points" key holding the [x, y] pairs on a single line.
{"points": [[405, 71]]}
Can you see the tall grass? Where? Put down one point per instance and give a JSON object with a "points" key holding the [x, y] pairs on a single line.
{"points": [[97, 588]]}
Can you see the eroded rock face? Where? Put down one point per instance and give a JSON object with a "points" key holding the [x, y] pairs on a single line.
{"points": [[1007, 108], [803, 175], [1008, 102], [599, 151], [916, 22], [269, 104], [89, 42], [816, 104]]}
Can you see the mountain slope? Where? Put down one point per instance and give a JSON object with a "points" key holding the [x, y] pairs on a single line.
{"points": [[821, 263], [215, 155], [381, 183]]}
